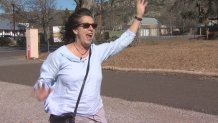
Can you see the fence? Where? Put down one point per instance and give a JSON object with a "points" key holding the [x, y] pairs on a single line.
{"points": [[173, 33]]}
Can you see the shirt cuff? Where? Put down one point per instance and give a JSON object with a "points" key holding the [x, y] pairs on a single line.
{"points": [[39, 84], [131, 33]]}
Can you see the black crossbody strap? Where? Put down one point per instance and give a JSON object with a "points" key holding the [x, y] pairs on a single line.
{"points": [[84, 81]]}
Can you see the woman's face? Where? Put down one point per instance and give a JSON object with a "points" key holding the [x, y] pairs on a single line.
{"points": [[85, 32]]}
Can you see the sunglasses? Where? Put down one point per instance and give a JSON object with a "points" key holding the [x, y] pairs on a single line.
{"points": [[87, 25]]}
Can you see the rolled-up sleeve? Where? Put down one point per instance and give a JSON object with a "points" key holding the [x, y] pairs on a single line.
{"points": [[109, 49]]}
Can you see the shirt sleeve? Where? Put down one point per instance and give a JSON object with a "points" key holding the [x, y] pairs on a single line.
{"points": [[48, 71], [107, 50]]}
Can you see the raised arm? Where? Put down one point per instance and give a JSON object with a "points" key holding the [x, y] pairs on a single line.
{"points": [[140, 9]]}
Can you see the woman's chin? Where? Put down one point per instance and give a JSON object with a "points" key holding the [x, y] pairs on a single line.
{"points": [[88, 43]]}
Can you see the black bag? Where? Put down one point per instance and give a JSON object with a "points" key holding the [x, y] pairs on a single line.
{"points": [[70, 117], [65, 118]]}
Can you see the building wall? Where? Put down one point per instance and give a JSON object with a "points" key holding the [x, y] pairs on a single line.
{"points": [[149, 30]]}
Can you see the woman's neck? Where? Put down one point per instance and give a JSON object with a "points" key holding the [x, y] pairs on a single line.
{"points": [[80, 50], [81, 47]]}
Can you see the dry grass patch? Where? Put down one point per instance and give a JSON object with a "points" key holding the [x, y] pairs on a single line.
{"points": [[179, 54]]}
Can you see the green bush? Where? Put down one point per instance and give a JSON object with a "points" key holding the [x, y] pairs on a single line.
{"points": [[4, 41], [21, 41], [115, 33]]}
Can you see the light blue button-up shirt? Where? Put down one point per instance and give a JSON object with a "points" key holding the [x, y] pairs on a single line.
{"points": [[64, 73]]}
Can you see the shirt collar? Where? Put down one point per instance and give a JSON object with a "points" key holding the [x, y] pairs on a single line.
{"points": [[69, 55]]}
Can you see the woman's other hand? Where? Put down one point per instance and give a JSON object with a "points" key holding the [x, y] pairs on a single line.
{"points": [[41, 92]]}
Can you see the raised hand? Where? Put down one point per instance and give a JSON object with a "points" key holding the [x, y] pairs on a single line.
{"points": [[140, 7]]}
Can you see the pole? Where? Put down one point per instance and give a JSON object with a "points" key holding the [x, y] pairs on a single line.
{"points": [[100, 27], [46, 28], [44, 24], [13, 20]]}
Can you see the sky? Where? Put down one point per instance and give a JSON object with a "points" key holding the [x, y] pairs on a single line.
{"points": [[63, 4]]}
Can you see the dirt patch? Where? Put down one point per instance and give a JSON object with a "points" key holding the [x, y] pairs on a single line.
{"points": [[178, 54]]}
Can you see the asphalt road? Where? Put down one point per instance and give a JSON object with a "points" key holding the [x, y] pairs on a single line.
{"points": [[12, 56], [183, 91]]}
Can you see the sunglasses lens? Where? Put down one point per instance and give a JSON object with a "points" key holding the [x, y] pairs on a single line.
{"points": [[94, 26], [87, 25]]}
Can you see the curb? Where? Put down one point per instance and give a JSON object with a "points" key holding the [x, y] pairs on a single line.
{"points": [[161, 71]]}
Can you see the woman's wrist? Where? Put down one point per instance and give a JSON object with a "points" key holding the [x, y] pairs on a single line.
{"points": [[138, 18], [139, 15]]}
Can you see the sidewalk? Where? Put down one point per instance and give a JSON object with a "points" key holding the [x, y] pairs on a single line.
{"points": [[17, 106]]}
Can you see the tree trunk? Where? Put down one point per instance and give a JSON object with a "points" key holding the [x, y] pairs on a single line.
{"points": [[84, 4], [216, 8]]}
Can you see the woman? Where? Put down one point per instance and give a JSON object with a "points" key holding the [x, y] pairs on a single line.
{"points": [[62, 73]]}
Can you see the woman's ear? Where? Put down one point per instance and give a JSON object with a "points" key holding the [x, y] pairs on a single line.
{"points": [[75, 31]]}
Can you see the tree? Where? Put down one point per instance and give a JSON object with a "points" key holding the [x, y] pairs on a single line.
{"points": [[32, 11], [44, 11], [116, 15], [84, 4], [210, 10], [216, 4], [9, 5], [66, 14], [204, 8], [38, 13]]}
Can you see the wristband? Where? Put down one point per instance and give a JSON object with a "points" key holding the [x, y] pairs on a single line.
{"points": [[138, 18]]}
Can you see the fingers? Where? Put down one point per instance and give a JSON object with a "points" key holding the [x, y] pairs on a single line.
{"points": [[43, 85], [141, 5], [141, 1], [146, 3], [41, 92]]}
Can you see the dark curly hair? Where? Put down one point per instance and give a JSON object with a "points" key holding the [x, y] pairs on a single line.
{"points": [[72, 23]]}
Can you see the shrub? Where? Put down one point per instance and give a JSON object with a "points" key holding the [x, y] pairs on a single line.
{"points": [[21, 41], [4, 41]]}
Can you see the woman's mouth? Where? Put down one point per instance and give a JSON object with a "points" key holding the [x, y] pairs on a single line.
{"points": [[89, 36]]}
